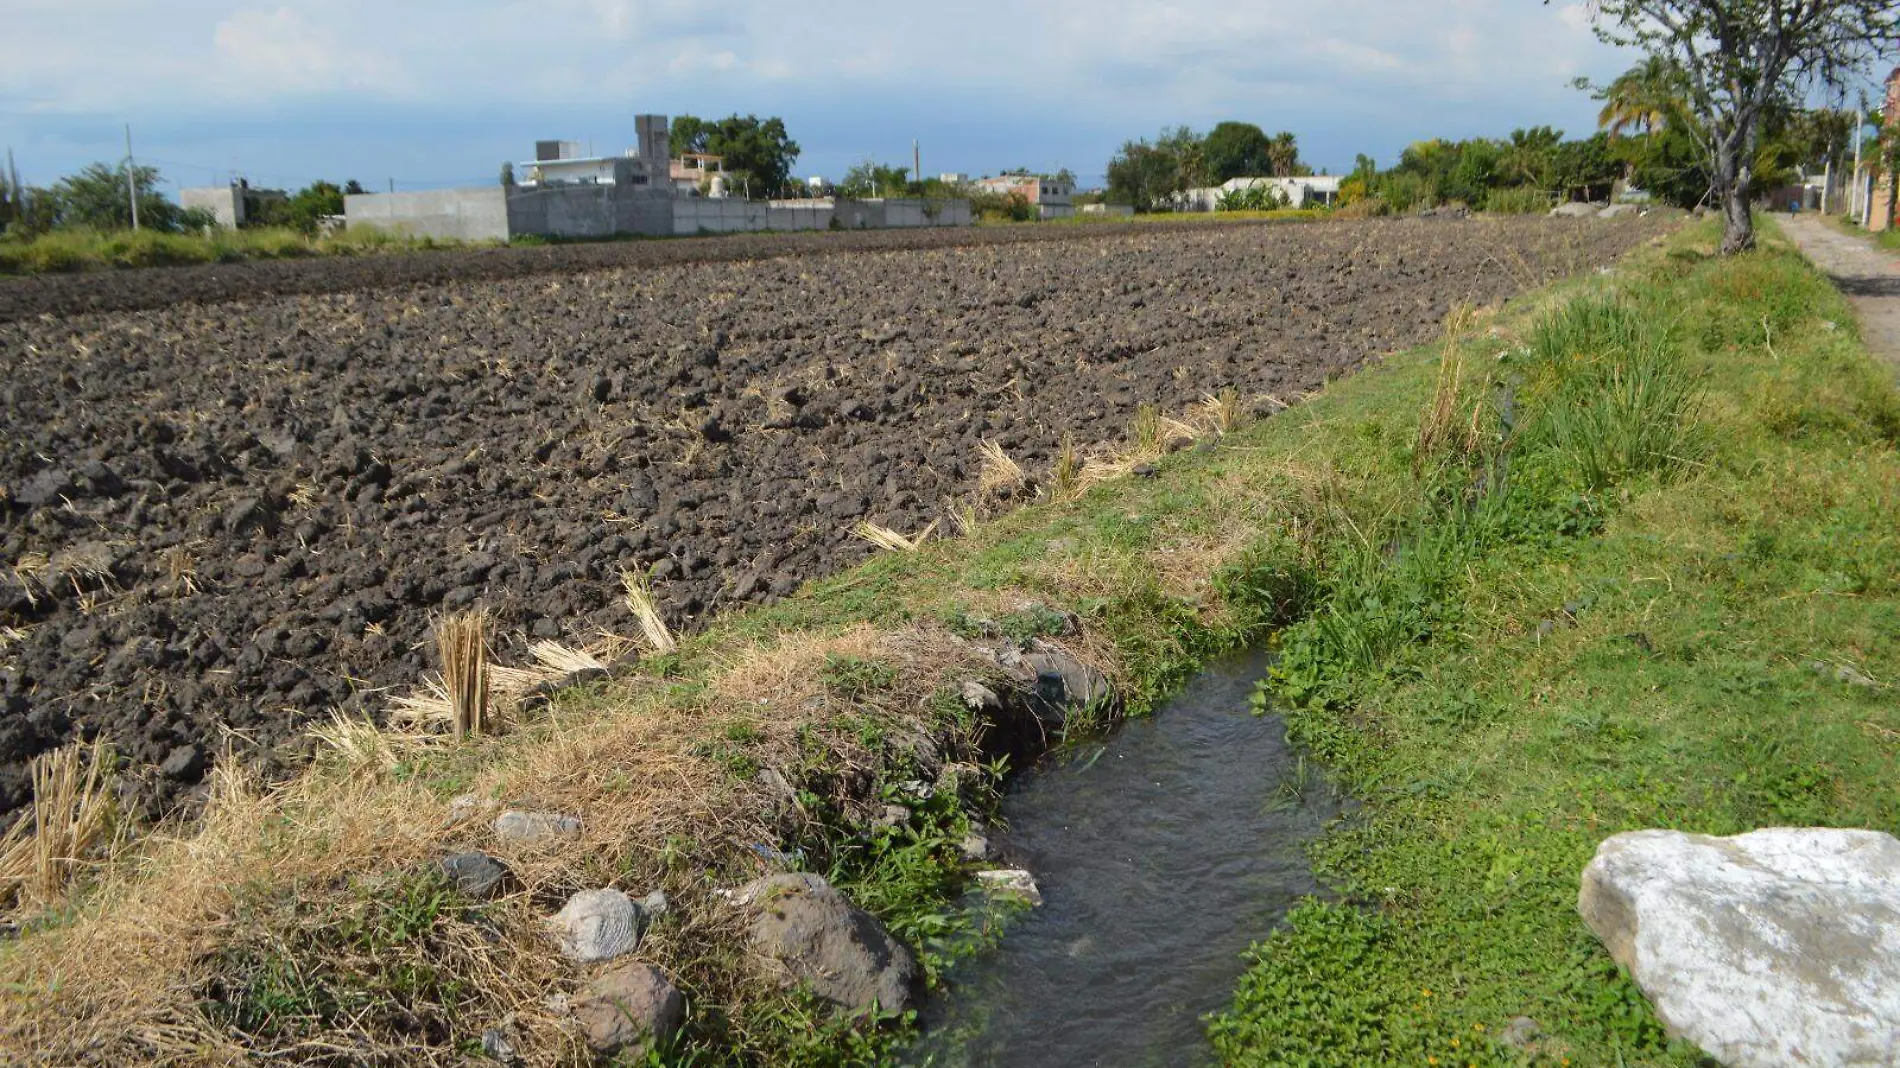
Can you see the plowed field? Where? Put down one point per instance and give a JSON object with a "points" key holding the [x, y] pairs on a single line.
{"points": [[245, 513]]}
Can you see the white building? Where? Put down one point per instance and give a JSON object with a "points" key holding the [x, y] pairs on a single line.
{"points": [[1301, 192]]}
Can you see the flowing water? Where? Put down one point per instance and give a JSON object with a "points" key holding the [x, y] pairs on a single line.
{"points": [[1162, 854]]}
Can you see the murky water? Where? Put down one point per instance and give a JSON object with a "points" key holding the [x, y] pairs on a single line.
{"points": [[1162, 855]]}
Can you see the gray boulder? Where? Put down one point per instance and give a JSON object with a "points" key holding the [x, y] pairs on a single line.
{"points": [[1780, 947], [818, 937], [597, 925], [517, 825], [629, 1010], [478, 875], [1574, 210], [1619, 211]]}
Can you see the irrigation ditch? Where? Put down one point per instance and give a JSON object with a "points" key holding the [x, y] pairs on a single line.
{"points": [[673, 806]]}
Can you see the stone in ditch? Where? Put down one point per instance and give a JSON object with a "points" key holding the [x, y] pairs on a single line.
{"points": [[516, 825], [596, 925], [630, 1010], [1011, 883], [819, 938], [1779, 947], [477, 875], [1064, 681]]}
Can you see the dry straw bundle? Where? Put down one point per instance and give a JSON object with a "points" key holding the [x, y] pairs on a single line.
{"points": [[639, 595], [72, 812], [463, 642]]}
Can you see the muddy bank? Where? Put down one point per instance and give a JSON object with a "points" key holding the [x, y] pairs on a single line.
{"points": [[244, 514]]}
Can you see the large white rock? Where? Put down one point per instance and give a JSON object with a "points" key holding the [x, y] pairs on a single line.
{"points": [[1776, 948]]}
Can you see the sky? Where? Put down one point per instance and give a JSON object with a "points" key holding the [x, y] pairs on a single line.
{"points": [[433, 93]]}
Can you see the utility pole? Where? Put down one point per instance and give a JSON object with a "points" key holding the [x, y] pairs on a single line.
{"points": [[1860, 130], [131, 183], [916, 162]]}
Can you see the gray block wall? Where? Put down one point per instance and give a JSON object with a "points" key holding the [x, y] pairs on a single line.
{"points": [[446, 214], [602, 211]]}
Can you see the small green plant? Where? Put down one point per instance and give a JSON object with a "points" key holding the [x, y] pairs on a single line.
{"points": [[854, 678]]}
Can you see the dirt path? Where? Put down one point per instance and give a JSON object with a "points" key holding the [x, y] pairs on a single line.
{"points": [[1869, 276]]}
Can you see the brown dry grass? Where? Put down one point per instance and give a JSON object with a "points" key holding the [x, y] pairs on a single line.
{"points": [[639, 596], [890, 540], [998, 474], [40, 857], [193, 908]]}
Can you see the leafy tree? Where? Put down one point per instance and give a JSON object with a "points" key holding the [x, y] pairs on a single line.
{"points": [[687, 134], [1585, 170], [1531, 156], [1739, 59], [871, 179], [306, 210], [1237, 150], [1190, 157], [96, 198], [758, 153], [353, 188], [1144, 175]]}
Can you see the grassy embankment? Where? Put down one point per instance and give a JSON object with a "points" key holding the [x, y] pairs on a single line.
{"points": [[1491, 752], [92, 250], [1719, 654]]}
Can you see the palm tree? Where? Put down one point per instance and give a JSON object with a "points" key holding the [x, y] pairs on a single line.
{"points": [[1284, 153], [1644, 97]]}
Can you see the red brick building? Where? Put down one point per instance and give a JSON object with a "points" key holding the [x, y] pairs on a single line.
{"points": [[1882, 181]]}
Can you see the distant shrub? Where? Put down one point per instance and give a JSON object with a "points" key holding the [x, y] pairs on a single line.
{"points": [[1364, 208], [1517, 200], [1407, 192]]}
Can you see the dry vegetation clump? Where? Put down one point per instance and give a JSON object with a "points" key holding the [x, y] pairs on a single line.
{"points": [[40, 857], [303, 921]]}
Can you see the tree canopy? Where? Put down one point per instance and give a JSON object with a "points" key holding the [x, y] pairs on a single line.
{"points": [[1148, 175], [758, 153], [871, 179], [96, 198], [1741, 59]]}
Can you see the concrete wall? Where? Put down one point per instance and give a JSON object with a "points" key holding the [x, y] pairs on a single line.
{"points": [[901, 213], [1108, 209], [598, 211], [694, 215], [584, 211], [800, 215], [222, 201], [451, 214]]}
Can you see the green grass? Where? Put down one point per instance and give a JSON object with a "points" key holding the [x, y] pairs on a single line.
{"points": [[90, 250], [1641, 624]]}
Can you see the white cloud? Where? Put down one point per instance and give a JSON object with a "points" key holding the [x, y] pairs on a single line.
{"points": [[280, 52], [1041, 71]]}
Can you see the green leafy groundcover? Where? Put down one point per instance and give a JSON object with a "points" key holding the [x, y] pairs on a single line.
{"points": [[1661, 594]]}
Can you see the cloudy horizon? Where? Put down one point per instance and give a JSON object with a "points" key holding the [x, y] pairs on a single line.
{"points": [[434, 93]]}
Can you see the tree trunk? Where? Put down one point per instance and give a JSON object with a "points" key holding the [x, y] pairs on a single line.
{"points": [[1731, 188], [1738, 222]]}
